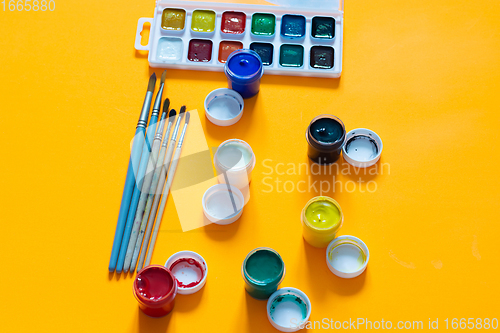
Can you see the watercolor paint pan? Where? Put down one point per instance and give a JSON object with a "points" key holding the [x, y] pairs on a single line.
{"points": [[297, 41]]}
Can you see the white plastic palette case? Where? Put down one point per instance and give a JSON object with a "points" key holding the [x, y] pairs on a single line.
{"points": [[321, 54]]}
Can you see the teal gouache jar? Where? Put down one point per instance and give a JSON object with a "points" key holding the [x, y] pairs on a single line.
{"points": [[263, 270]]}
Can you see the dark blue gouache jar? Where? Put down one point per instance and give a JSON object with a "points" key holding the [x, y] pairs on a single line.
{"points": [[326, 136], [244, 70]]}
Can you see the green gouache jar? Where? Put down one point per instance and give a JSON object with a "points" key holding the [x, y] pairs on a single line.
{"points": [[263, 270]]}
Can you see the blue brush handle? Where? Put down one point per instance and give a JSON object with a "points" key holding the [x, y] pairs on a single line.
{"points": [[146, 150], [128, 189]]}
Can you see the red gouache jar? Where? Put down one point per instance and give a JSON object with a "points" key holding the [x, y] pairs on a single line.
{"points": [[155, 289]]}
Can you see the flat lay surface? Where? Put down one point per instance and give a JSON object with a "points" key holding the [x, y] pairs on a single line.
{"points": [[423, 75]]}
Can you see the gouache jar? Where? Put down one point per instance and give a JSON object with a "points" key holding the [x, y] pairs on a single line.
{"points": [[235, 155], [234, 162], [325, 135], [321, 219], [244, 70], [155, 289], [263, 270]]}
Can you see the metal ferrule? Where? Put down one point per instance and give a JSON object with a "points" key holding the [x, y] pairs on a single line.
{"points": [[161, 126], [181, 139], [167, 134], [143, 119], [157, 105], [176, 128]]}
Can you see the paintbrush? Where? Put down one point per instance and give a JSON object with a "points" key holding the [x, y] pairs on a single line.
{"points": [[152, 189], [135, 157], [171, 173], [146, 150], [161, 183], [148, 179]]}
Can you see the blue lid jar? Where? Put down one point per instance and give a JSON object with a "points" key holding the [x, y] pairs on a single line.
{"points": [[244, 70]]}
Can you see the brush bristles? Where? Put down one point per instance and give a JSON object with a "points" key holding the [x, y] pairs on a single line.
{"points": [[163, 76], [183, 109], [172, 114], [186, 121], [152, 83], [166, 105]]}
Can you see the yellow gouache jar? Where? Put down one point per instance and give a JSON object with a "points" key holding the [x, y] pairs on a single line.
{"points": [[321, 219]]}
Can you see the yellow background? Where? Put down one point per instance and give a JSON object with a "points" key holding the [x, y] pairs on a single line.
{"points": [[423, 74]]}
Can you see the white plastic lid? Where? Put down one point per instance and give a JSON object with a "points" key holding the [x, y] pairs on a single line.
{"points": [[362, 148], [190, 271], [347, 256], [288, 309], [223, 204], [323, 4], [224, 107]]}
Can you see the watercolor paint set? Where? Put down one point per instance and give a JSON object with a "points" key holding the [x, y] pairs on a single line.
{"points": [[299, 38]]}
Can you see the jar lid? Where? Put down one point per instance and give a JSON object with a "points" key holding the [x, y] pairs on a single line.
{"points": [[347, 256], [223, 204], [190, 271], [288, 309], [362, 148], [224, 107]]}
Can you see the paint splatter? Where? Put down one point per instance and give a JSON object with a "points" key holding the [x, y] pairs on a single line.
{"points": [[402, 263], [475, 251], [438, 264]]}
